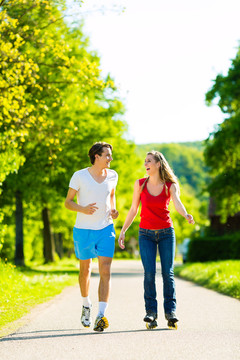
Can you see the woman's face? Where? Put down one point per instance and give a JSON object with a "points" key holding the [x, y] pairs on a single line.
{"points": [[151, 165]]}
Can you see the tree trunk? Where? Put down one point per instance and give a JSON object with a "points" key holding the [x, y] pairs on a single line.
{"points": [[48, 243], [58, 241], [19, 253]]}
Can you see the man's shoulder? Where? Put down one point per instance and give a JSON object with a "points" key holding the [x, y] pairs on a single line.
{"points": [[81, 172], [112, 172]]}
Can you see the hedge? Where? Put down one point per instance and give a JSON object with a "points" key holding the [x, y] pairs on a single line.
{"points": [[212, 248]]}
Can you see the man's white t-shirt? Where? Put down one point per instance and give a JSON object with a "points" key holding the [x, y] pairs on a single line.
{"points": [[90, 191]]}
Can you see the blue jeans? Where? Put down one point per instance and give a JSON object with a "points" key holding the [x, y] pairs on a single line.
{"points": [[149, 240]]}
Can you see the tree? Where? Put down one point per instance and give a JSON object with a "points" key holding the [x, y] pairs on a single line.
{"points": [[222, 148], [43, 62]]}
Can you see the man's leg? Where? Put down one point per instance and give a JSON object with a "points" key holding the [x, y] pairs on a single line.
{"points": [[104, 264], [84, 282], [84, 276], [105, 249]]}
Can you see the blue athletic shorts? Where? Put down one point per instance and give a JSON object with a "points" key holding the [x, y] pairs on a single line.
{"points": [[89, 244]]}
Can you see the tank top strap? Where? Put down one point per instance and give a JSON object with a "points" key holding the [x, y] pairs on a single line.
{"points": [[168, 185], [141, 181]]}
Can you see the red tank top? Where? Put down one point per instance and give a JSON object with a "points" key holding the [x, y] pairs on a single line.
{"points": [[154, 213]]}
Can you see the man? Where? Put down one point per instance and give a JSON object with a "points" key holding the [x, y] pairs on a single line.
{"points": [[93, 233]]}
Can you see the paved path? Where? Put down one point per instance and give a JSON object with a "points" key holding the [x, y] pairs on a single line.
{"points": [[209, 326]]}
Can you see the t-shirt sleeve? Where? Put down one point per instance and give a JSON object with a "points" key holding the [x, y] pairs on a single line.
{"points": [[116, 179], [75, 182]]}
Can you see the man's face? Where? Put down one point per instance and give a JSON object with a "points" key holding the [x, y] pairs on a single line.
{"points": [[105, 159]]}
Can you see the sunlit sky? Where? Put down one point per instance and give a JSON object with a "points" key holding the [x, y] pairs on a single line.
{"points": [[163, 56]]}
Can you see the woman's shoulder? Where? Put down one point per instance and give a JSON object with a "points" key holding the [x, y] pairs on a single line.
{"points": [[169, 184], [172, 186], [141, 181]]}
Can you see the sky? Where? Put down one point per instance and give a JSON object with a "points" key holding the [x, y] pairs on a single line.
{"points": [[163, 56]]}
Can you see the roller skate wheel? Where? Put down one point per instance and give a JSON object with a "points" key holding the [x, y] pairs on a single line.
{"points": [[151, 326], [172, 326]]}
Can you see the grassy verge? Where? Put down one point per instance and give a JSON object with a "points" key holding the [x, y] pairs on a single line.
{"points": [[23, 288], [221, 276]]}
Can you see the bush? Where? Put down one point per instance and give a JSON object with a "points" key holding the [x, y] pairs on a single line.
{"points": [[211, 248]]}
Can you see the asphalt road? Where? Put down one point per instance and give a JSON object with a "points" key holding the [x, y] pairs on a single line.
{"points": [[209, 326]]}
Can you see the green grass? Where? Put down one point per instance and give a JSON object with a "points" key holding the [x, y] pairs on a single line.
{"points": [[23, 288], [221, 276]]}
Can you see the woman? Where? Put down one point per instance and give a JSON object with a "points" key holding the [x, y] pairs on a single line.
{"points": [[156, 230]]}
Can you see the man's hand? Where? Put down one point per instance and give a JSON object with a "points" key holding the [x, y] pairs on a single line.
{"points": [[114, 213], [89, 209]]}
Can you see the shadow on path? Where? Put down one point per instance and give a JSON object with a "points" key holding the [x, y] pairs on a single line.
{"points": [[16, 337], [119, 274]]}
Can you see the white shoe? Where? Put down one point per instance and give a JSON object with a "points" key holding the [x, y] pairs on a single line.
{"points": [[86, 319]]}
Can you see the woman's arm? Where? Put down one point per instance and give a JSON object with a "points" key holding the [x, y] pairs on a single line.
{"points": [[178, 204], [71, 205], [131, 214]]}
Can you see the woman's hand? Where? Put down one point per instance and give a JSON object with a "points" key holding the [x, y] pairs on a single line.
{"points": [[121, 240], [114, 213], [190, 219]]}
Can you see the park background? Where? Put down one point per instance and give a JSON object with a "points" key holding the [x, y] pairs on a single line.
{"points": [[56, 102]]}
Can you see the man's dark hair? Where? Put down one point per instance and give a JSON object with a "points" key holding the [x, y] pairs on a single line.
{"points": [[97, 149]]}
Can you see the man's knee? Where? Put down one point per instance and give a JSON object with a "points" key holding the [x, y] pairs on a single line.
{"points": [[85, 270], [105, 270]]}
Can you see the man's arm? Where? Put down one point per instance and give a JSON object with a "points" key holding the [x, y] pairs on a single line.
{"points": [[71, 205], [114, 213]]}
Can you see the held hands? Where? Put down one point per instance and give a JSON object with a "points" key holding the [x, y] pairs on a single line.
{"points": [[121, 240], [190, 219], [114, 213], [89, 209]]}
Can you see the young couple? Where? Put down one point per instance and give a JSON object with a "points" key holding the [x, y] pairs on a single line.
{"points": [[94, 234]]}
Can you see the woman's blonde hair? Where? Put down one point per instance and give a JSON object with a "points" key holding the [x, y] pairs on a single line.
{"points": [[165, 171]]}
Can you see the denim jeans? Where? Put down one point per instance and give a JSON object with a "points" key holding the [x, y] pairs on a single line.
{"points": [[149, 240]]}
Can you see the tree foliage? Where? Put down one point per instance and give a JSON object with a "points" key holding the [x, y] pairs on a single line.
{"points": [[222, 151], [36, 63], [54, 104]]}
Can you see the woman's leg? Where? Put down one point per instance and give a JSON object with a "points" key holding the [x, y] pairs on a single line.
{"points": [[148, 252], [166, 247]]}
